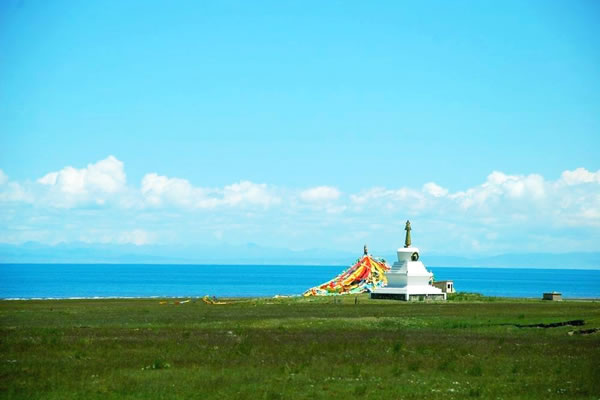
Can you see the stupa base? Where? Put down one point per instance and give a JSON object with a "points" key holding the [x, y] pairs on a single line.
{"points": [[405, 295]]}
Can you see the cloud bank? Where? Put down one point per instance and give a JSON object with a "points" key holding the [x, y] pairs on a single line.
{"points": [[160, 191], [97, 201]]}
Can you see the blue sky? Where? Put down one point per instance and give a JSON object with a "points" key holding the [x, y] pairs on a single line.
{"points": [[302, 124]]}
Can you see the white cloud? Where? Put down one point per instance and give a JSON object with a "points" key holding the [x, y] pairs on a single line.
{"points": [[580, 175], [105, 176], [50, 178], [320, 193], [97, 184], [410, 200], [498, 187], [161, 190], [106, 235], [3, 177], [138, 237], [392, 195], [434, 190], [501, 200], [14, 192], [246, 192]]}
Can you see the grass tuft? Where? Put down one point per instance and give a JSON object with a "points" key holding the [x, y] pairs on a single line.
{"points": [[158, 364]]}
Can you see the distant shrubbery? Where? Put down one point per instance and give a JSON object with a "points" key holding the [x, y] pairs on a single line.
{"points": [[466, 296]]}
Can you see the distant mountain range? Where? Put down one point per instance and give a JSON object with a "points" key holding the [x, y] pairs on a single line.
{"points": [[80, 252], [585, 260]]}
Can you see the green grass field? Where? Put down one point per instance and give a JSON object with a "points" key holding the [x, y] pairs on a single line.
{"points": [[297, 348]]}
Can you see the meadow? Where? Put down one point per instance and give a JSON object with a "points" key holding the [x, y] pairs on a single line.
{"points": [[298, 348]]}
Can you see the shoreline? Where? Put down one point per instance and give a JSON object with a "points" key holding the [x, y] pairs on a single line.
{"points": [[278, 296]]}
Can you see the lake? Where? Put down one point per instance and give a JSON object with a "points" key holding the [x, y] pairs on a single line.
{"points": [[26, 281]]}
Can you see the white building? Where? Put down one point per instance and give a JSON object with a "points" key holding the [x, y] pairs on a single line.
{"points": [[446, 286], [408, 279]]}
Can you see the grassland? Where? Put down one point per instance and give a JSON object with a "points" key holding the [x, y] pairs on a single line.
{"points": [[297, 348]]}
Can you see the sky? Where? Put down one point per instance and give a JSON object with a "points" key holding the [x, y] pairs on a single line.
{"points": [[302, 124]]}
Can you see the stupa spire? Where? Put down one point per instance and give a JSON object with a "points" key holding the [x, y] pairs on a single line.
{"points": [[407, 228]]}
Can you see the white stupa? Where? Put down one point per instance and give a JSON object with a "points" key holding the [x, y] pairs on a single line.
{"points": [[408, 279]]}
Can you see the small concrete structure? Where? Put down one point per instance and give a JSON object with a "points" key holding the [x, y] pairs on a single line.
{"points": [[408, 279], [554, 296], [446, 286]]}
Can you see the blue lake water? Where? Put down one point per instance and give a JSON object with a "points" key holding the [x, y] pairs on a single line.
{"points": [[149, 280]]}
